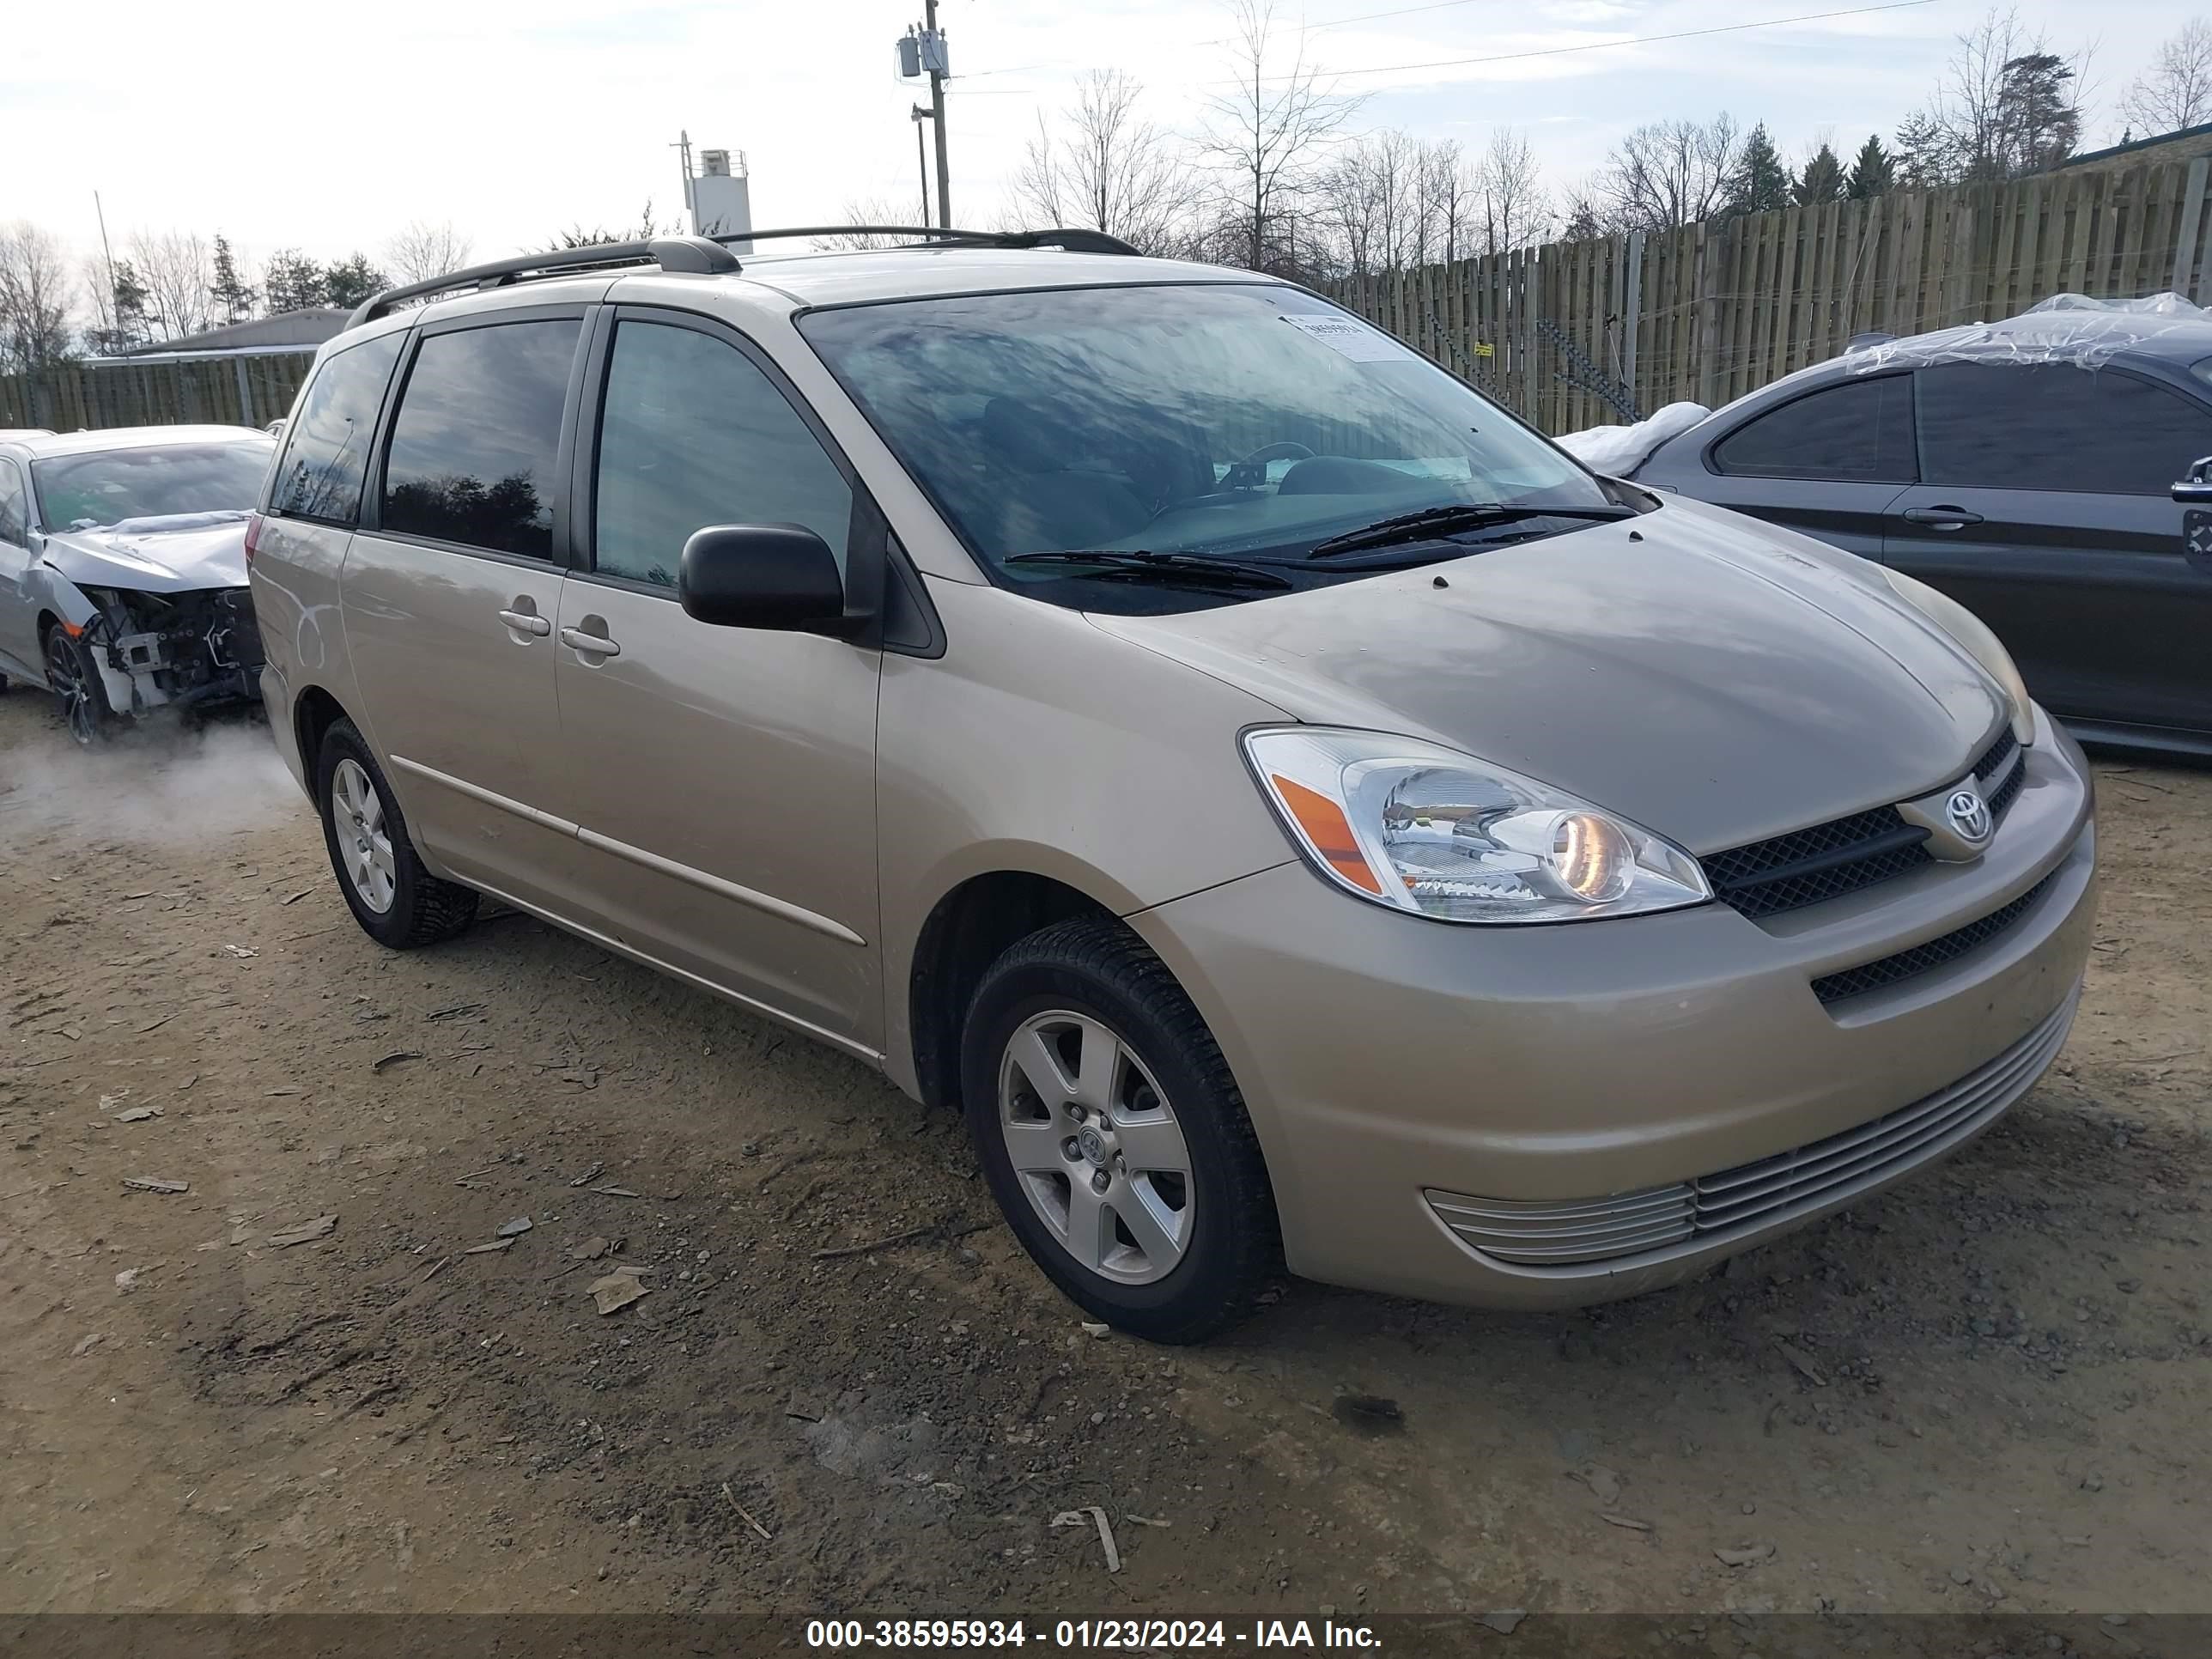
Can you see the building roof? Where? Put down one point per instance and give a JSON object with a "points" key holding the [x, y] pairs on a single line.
{"points": [[300, 331]]}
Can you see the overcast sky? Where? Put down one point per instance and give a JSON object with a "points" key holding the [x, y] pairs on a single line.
{"points": [[328, 128]]}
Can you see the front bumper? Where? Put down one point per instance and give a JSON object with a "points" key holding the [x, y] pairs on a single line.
{"points": [[1398, 1071]]}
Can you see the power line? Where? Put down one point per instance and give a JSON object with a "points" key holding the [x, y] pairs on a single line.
{"points": [[1597, 45]]}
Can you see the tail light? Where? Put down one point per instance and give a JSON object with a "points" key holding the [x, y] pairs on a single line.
{"points": [[254, 522]]}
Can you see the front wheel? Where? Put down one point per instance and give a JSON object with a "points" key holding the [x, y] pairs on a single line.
{"points": [[395, 899], [1114, 1137], [76, 685]]}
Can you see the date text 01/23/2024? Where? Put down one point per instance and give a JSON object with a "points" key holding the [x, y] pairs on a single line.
{"points": [[1127, 1634]]}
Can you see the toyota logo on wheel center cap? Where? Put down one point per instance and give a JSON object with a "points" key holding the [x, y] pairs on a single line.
{"points": [[1969, 815]]}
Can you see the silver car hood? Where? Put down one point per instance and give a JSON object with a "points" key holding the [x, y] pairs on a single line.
{"points": [[179, 554], [1717, 680]]}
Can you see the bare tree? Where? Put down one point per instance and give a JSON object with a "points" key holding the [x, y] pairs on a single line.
{"points": [[178, 271], [423, 250], [2007, 105], [1667, 174], [875, 211], [2176, 91], [1110, 170], [1515, 210], [1271, 135], [1371, 197], [34, 306]]}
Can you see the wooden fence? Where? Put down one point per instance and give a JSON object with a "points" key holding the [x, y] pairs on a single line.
{"points": [[106, 392], [1564, 335]]}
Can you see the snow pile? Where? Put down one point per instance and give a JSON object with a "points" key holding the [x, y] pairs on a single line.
{"points": [[1618, 451]]}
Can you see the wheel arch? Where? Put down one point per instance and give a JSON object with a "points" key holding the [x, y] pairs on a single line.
{"points": [[314, 711]]}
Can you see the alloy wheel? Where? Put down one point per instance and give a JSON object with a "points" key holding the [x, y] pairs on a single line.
{"points": [[65, 675], [1096, 1147], [364, 842]]}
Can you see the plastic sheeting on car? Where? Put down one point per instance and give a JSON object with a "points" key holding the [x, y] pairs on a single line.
{"points": [[2066, 328], [1618, 451]]}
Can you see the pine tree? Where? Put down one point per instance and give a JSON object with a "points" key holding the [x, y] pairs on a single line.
{"points": [[1871, 173], [1822, 180], [234, 297], [1762, 182], [292, 281], [130, 321], [349, 282], [2040, 123]]}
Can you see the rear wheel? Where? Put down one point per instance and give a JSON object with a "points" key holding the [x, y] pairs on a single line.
{"points": [[395, 899], [77, 684], [1114, 1137]]}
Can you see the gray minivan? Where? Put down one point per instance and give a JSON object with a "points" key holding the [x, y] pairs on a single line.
{"points": [[1301, 817]]}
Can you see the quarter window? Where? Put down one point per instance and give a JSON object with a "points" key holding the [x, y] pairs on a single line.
{"points": [[693, 434], [15, 507], [2051, 426], [1858, 432], [475, 445], [326, 443]]}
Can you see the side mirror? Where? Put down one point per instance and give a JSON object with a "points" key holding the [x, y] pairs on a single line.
{"points": [[2196, 489], [761, 575]]}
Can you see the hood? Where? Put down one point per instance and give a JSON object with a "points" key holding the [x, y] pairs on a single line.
{"points": [[1718, 680], [181, 554]]}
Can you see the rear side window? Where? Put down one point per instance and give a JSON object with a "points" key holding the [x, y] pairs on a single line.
{"points": [[693, 434], [475, 444], [14, 506], [2051, 426], [326, 444], [1859, 432]]}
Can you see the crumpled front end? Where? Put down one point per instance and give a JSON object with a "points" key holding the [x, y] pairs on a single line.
{"points": [[192, 649]]}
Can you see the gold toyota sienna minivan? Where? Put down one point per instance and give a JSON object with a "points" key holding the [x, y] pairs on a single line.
{"points": [[1302, 817]]}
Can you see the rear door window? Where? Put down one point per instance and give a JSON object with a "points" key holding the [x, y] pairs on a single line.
{"points": [[2053, 426], [326, 445], [1857, 431], [475, 445]]}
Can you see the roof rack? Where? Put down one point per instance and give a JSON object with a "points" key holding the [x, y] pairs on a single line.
{"points": [[709, 256]]}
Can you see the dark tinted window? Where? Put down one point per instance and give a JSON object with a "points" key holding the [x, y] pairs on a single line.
{"points": [[326, 444], [693, 434], [2051, 426], [15, 507], [1859, 432], [475, 444]]}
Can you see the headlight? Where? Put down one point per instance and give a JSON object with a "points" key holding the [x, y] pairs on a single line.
{"points": [[1418, 827], [1972, 634]]}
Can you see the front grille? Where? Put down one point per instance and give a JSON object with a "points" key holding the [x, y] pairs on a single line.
{"points": [[1569, 1236], [1828, 860], [1888, 970]]}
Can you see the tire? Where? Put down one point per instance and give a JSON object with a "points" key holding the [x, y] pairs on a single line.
{"points": [[1206, 1241], [417, 909], [76, 682]]}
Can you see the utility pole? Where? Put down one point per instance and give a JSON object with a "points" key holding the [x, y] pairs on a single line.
{"points": [[115, 321], [684, 144], [938, 64], [921, 158], [922, 51]]}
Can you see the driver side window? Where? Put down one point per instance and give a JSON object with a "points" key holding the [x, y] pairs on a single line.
{"points": [[15, 507], [692, 434]]}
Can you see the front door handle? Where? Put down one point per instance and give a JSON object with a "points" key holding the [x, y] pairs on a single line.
{"points": [[527, 622], [597, 645], [1941, 518]]}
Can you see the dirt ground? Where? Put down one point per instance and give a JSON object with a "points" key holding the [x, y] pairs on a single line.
{"points": [[1989, 1389]]}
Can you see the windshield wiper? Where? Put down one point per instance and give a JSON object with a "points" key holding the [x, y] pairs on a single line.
{"points": [[1118, 565], [1446, 521]]}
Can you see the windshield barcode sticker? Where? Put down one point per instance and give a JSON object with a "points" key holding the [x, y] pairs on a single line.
{"points": [[1353, 338]]}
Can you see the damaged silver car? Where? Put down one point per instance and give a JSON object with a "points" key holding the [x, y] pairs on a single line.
{"points": [[123, 570]]}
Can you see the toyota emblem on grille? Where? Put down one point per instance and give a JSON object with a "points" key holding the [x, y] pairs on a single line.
{"points": [[1969, 814]]}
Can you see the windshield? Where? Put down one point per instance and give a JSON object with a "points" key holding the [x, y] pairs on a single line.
{"points": [[1220, 421], [78, 492]]}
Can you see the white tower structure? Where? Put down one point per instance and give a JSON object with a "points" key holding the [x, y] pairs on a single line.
{"points": [[718, 196]]}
